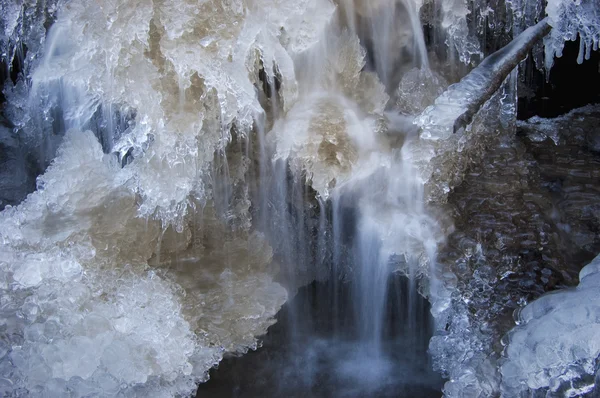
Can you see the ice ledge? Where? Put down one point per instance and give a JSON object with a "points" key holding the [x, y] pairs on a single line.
{"points": [[556, 342]]}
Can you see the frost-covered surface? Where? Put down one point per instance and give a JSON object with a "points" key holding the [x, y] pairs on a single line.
{"points": [[417, 89], [557, 341], [65, 322], [188, 74], [570, 19], [464, 348], [135, 266], [83, 310]]}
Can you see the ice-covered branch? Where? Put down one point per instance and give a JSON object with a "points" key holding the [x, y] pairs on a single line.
{"points": [[455, 108]]}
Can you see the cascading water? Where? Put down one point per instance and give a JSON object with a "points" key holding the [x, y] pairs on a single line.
{"points": [[392, 30], [204, 161], [366, 201]]}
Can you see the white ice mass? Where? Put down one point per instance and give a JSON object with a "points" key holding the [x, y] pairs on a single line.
{"points": [[556, 343]]}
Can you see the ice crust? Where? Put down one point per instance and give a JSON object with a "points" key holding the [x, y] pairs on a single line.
{"points": [[194, 82], [67, 323], [91, 262], [459, 38], [84, 313], [491, 278], [555, 345], [23, 25]]}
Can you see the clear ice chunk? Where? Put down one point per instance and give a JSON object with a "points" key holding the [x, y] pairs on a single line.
{"points": [[570, 19]]}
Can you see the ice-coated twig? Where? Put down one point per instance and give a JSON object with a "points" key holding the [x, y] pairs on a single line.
{"points": [[454, 108]]}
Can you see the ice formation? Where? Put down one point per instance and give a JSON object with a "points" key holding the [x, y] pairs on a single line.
{"points": [[23, 28], [125, 252], [85, 260], [570, 19], [555, 345], [459, 37], [76, 279], [416, 90]]}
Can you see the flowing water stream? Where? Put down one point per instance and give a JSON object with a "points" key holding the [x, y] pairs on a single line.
{"points": [[219, 175], [368, 200]]}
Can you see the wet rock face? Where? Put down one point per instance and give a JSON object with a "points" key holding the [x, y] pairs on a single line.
{"points": [[567, 154], [527, 219], [506, 245]]}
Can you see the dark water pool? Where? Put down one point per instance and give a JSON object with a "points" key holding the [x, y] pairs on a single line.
{"points": [[314, 351]]}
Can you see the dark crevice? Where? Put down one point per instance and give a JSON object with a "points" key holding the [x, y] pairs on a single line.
{"points": [[570, 85], [267, 84]]}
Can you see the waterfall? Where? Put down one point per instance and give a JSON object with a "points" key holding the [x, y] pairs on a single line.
{"points": [[203, 164], [197, 147], [342, 203]]}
